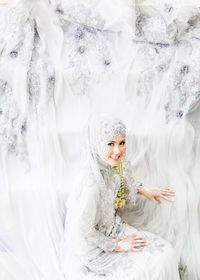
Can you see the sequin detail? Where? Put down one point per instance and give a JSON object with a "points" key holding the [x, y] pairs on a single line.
{"points": [[110, 129]]}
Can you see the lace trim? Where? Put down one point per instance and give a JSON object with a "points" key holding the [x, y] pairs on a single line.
{"points": [[86, 45]]}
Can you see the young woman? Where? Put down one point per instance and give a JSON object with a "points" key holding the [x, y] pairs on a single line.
{"points": [[99, 243]]}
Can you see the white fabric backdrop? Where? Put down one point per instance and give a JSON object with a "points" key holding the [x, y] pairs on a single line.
{"points": [[64, 60]]}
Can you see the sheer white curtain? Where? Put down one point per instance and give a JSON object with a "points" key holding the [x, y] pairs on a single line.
{"points": [[137, 61]]}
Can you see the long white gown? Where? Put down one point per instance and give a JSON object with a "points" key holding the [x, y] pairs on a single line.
{"points": [[93, 226]]}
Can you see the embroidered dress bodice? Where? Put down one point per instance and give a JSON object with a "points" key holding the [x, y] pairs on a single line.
{"points": [[105, 224], [94, 226]]}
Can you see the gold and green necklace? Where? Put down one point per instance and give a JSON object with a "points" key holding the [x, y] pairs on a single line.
{"points": [[120, 197]]}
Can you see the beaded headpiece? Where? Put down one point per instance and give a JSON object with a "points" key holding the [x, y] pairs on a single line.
{"points": [[111, 128]]}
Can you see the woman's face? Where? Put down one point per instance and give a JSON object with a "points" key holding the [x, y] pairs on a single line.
{"points": [[113, 150]]}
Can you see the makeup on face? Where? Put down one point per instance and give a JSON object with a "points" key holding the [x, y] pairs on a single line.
{"points": [[114, 149]]}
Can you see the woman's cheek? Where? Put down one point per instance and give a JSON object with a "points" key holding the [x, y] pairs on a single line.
{"points": [[106, 152], [123, 150]]}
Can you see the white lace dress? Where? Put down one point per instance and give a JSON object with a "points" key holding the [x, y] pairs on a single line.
{"points": [[92, 228]]}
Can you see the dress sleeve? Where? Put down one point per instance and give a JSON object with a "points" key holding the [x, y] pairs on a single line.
{"points": [[134, 207], [132, 184], [85, 237]]}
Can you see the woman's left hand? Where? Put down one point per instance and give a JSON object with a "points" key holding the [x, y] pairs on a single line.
{"points": [[156, 194]]}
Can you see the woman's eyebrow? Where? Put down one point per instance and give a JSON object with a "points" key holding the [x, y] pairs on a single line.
{"points": [[111, 141]]}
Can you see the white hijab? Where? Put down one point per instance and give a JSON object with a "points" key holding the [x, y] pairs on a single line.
{"points": [[99, 131]]}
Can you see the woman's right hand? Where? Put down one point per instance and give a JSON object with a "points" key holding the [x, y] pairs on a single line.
{"points": [[130, 244]]}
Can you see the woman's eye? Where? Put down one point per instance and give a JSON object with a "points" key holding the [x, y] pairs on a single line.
{"points": [[123, 143], [110, 144]]}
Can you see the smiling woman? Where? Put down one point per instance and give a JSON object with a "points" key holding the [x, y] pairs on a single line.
{"points": [[99, 243], [114, 150]]}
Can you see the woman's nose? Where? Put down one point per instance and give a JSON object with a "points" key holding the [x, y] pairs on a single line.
{"points": [[116, 150]]}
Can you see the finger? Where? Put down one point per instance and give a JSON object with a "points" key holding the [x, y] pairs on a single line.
{"points": [[165, 191], [131, 238], [137, 237], [139, 245], [140, 241], [137, 241], [168, 194], [168, 190]]}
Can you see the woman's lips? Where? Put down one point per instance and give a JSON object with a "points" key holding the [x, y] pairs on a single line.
{"points": [[115, 158]]}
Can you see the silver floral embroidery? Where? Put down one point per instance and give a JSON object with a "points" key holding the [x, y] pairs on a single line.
{"points": [[152, 54], [82, 15], [15, 30], [12, 123], [156, 25], [110, 129], [168, 8], [41, 76], [17, 41], [86, 45], [183, 94], [109, 217]]}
